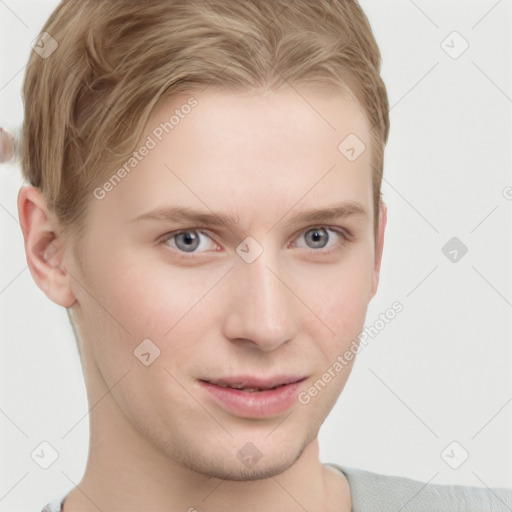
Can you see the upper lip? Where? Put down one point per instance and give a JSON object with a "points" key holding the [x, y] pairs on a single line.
{"points": [[255, 382]]}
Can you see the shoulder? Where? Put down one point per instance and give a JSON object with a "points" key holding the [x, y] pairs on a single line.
{"points": [[373, 492]]}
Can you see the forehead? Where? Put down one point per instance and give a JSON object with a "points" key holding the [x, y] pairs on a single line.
{"points": [[253, 154], [263, 123]]}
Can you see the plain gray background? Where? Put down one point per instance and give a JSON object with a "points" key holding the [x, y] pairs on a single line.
{"points": [[435, 383]]}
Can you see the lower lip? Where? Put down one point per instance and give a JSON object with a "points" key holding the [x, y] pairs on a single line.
{"points": [[253, 405]]}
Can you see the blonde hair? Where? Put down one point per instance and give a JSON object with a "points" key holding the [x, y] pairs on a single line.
{"points": [[86, 103]]}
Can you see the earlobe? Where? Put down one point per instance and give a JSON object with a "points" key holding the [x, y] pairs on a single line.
{"points": [[379, 246], [44, 249]]}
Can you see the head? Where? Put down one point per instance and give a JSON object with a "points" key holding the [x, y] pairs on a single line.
{"points": [[234, 122]]}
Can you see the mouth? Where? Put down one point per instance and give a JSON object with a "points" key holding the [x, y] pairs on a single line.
{"points": [[248, 397], [254, 385]]}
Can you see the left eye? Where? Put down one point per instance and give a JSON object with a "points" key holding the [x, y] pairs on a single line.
{"points": [[189, 241], [319, 238]]}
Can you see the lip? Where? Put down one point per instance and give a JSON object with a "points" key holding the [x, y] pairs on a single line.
{"points": [[257, 404]]}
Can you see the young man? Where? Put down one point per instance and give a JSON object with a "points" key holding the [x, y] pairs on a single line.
{"points": [[204, 200]]}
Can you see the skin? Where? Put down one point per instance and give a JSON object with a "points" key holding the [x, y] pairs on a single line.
{"points": [[7, 146], [157, 440]]}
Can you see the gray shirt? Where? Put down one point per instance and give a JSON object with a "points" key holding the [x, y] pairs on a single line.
{"points": [[373, 492]]}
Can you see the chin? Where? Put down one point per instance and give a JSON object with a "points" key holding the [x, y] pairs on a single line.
{"points": [[236, 472], [236, 469]]}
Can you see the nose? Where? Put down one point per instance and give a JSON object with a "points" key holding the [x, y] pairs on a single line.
{"points": [[260, 312]]}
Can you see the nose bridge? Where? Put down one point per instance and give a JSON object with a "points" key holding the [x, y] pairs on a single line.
{"points": [[261, 310]]}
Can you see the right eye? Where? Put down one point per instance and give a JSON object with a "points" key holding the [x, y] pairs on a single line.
{"points": [[188, 241]]}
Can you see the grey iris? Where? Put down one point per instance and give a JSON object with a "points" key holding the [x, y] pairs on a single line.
{"points": [[187, 241], [317, 238]]}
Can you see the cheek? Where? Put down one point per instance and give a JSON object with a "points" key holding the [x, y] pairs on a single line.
{"points": [[151, 297], [127, 303], [339, 294], [173, 307]]}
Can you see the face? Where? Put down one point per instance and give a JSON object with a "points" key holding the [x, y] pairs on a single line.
{"points": [[256, 271]]}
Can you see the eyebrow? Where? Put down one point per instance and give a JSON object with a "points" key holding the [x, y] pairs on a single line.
{"points": [[186, 214]]}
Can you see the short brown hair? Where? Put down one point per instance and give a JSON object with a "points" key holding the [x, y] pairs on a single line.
{"points": [[87, 103]]}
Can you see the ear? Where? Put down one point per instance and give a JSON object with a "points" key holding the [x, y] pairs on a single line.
{"points": [[379, 245], [44, 248]]}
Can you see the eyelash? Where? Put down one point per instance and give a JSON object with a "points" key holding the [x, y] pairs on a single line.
{"points": [[343, 233]]}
